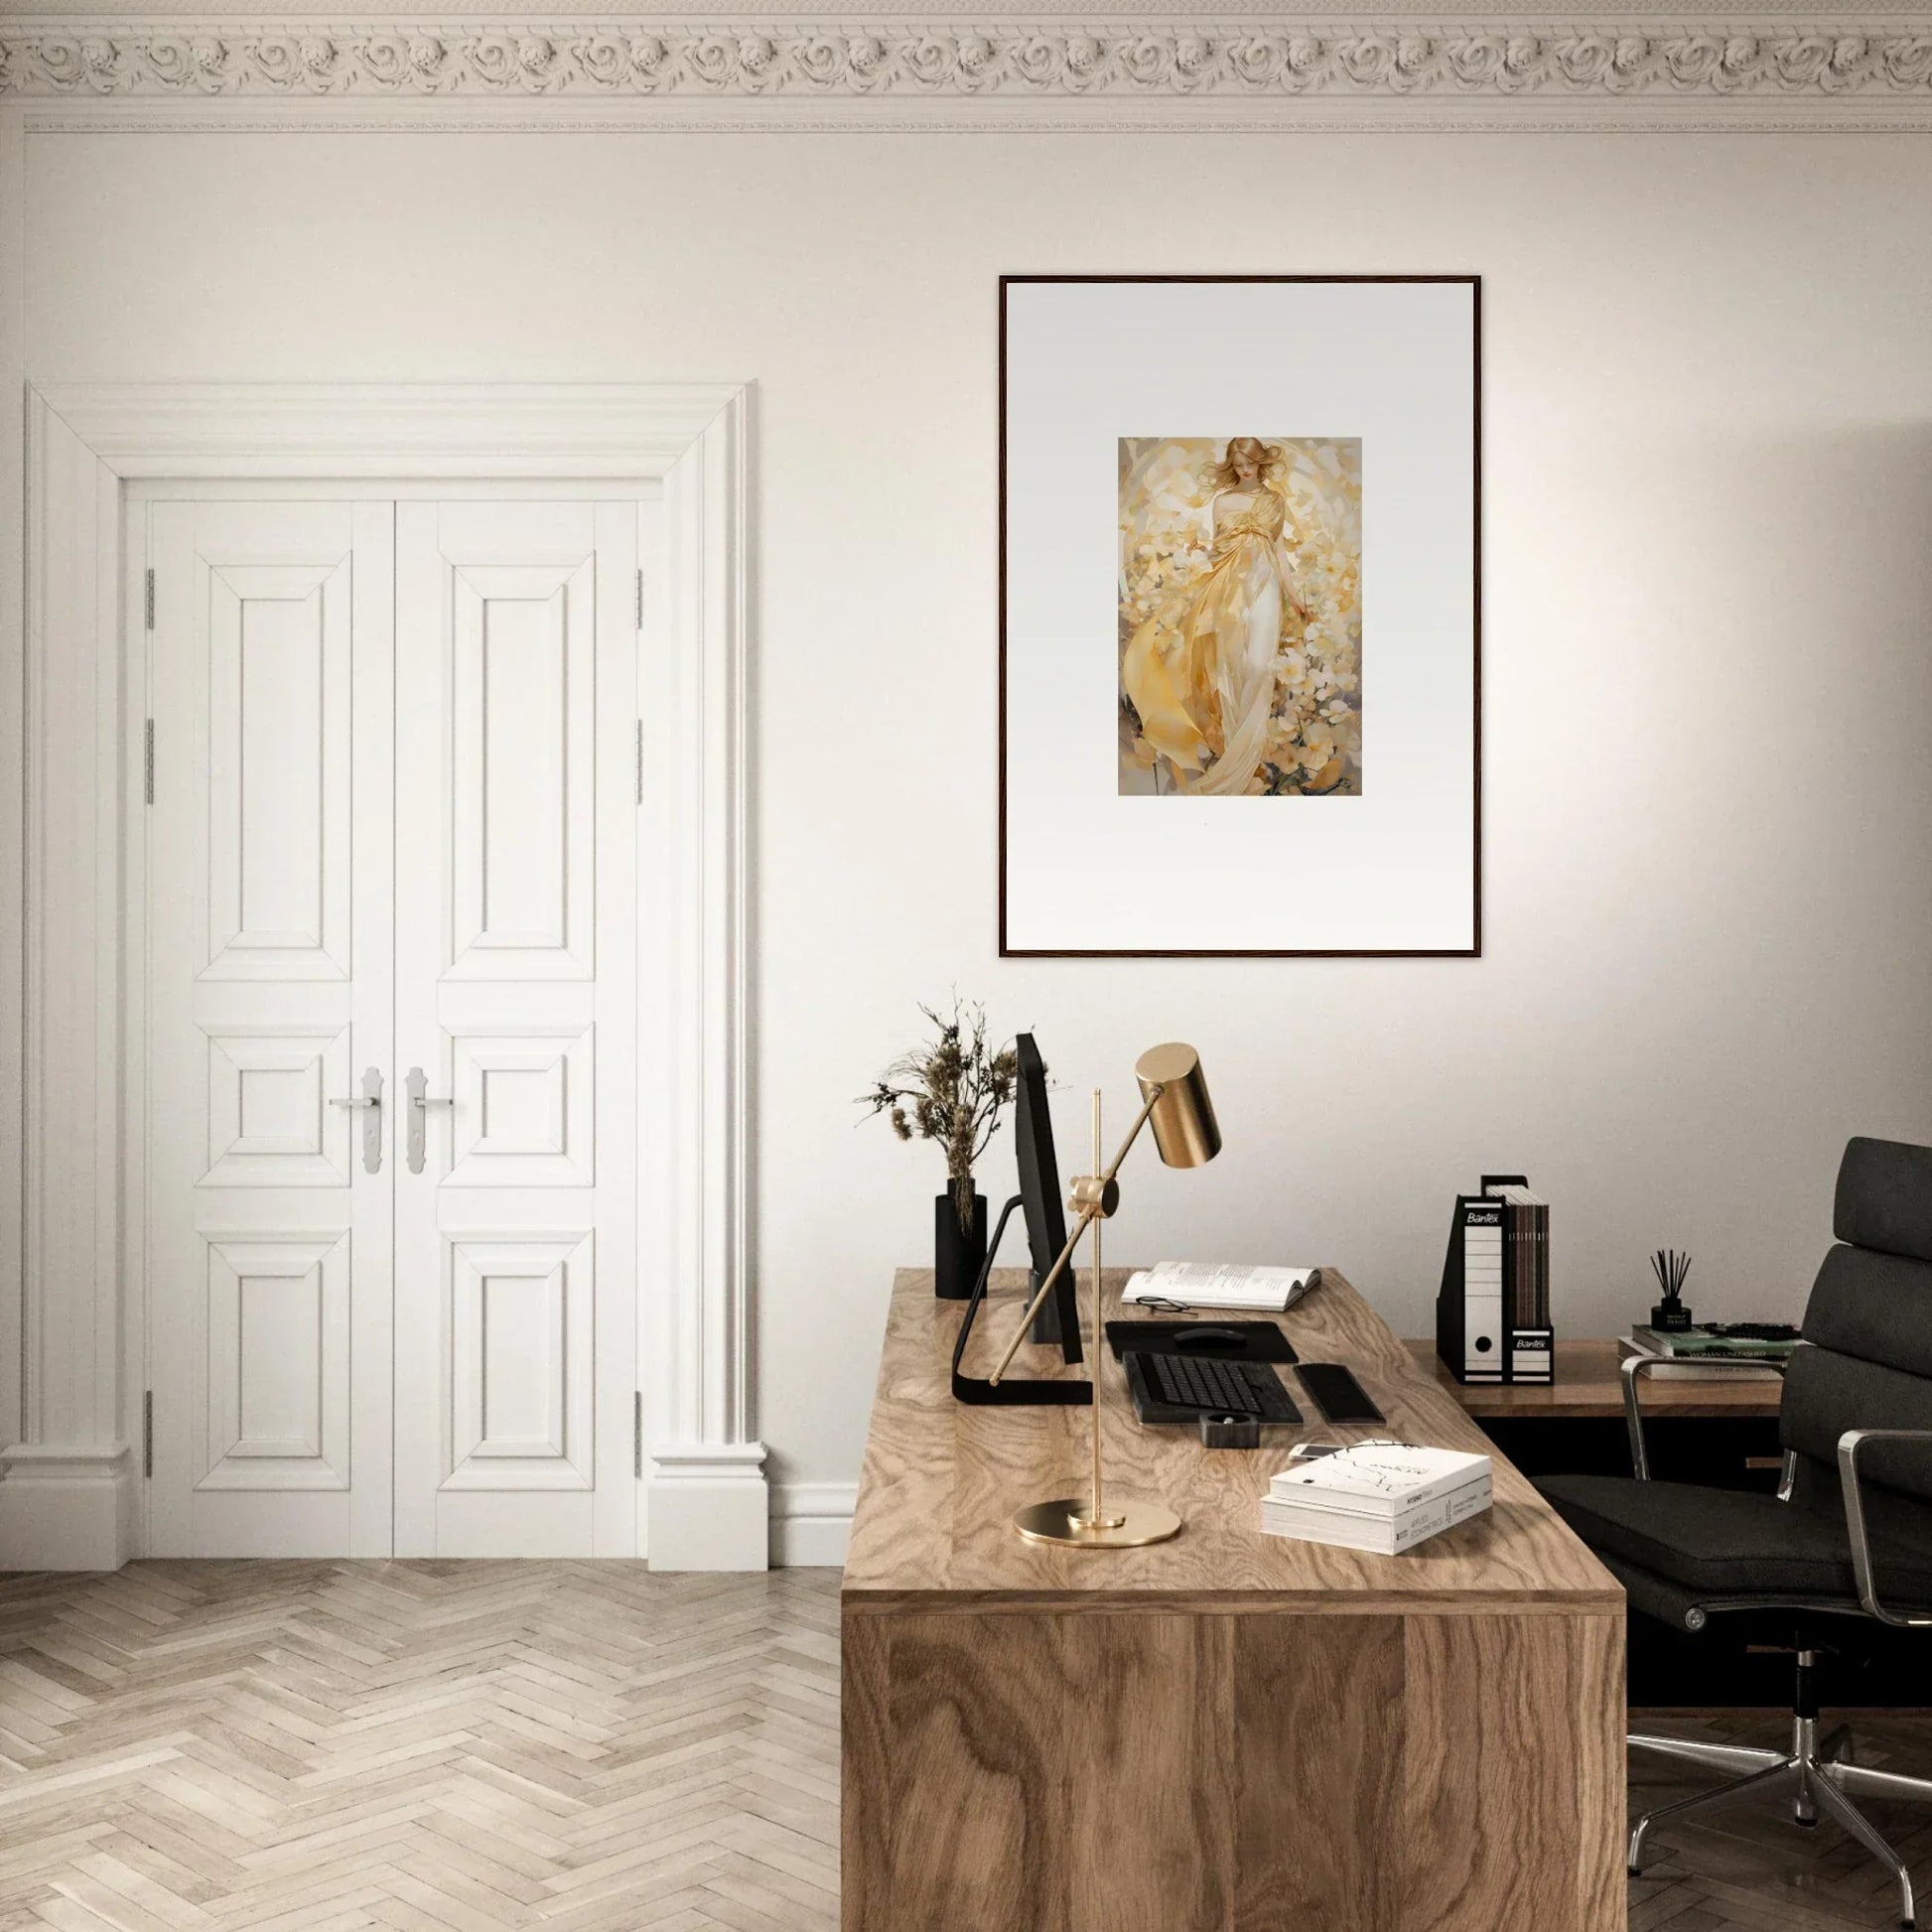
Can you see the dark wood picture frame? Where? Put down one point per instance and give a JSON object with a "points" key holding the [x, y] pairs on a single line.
{"points": [[1475, 949]]}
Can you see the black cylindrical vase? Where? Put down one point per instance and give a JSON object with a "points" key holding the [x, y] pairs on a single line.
{"points": [[957, 1256]]}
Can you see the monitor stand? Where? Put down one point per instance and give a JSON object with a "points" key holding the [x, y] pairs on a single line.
{"points": [[1046, 1324], [1013, 1391]]}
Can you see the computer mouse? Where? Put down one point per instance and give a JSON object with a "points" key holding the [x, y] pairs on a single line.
{"points": [[1207, 1336]]}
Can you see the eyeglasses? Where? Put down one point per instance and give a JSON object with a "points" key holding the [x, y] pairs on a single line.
{"points": [[1309, 1451]]}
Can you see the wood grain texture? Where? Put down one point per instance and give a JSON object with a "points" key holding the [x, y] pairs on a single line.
{"points": [[941, 1480], [864, 1734], [1149, 1703], [976, 1775], [1513, 1772], [1264, 1773], [1323, 1717], [1587, 1385]]}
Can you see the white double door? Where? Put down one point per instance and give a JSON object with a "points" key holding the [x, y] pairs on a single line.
{"points": [[391, 1160]]}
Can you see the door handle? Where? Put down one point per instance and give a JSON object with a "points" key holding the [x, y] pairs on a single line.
{"points": [[371, 1101], [420, 1102]]}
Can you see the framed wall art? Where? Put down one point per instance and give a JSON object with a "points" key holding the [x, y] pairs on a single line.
{"points": [[1240, 526]]}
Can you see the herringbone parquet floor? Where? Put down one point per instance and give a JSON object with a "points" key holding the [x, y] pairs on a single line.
{"points": [[465, 1747], [438, 1746]]}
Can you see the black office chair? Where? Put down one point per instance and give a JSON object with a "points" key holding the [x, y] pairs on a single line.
{"points": [[1848, 1536]]}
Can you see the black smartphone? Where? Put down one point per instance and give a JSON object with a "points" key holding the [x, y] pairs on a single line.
{"points": [[1338, 1394]]}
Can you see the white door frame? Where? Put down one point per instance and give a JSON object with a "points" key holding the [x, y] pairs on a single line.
{"points": [[72, 1461]]}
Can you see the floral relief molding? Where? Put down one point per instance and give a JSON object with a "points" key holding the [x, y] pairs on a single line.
{"points": [[1881, 75]]}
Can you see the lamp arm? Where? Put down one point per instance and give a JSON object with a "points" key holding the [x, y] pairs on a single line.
{"points": [[1088, 1215], [1134, 1133]]}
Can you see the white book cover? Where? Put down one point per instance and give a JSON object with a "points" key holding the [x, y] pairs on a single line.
{"points": [[1218, 1285], [1382, 1478]]}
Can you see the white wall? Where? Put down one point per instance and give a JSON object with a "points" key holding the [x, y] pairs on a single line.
{"points": [[1707, 392]]}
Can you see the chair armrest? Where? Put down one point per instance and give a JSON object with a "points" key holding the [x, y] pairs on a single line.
{"points": [[1635, 1367], [1849, 1446]]}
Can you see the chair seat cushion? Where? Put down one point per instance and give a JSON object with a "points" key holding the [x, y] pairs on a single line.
{"points": [[1729, 1542]]}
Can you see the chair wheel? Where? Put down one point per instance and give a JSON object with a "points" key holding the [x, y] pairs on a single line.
{"points": [[1810, 1823]]}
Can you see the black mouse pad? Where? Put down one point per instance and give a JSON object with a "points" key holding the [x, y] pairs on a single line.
{"points": [[1222, 1342]]}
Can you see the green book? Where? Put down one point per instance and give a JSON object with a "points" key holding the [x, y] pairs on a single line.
{"points": [[1700, 1341]]}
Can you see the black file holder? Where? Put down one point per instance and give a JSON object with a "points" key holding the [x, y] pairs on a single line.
{"points": [[1505, 1352]]}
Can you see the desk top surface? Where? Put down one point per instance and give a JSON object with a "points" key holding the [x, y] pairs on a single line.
{"points": [[941, 1480], [1587, 1385]]}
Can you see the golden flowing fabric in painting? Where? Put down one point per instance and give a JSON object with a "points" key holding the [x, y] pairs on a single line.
{"points": [[1240, 617]]}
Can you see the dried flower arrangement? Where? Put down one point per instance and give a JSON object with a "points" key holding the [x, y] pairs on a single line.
{"points": [[952, 1090]]}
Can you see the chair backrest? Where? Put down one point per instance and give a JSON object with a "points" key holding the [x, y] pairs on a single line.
{"points": [[1869, 1326]]}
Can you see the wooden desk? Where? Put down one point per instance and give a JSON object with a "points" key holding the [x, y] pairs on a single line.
{"points": [[1227, 1732], [1587, 1385]]}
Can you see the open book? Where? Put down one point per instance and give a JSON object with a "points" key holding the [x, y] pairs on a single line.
{"points": [[1221, 1285]]}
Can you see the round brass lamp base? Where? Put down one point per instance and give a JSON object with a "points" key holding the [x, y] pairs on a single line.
{"points": [[1129, 1525]]}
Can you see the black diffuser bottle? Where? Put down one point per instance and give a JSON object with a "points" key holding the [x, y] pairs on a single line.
{"points": [[1670, 1316]]}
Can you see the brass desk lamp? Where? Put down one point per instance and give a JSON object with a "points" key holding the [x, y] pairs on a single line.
{"points": [[1173, 1098]]}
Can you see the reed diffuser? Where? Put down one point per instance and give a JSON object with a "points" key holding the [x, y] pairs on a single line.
{"points": [[1670, 1314]]}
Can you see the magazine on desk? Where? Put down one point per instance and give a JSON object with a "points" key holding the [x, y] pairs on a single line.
{"points": [[1220, 1284]]}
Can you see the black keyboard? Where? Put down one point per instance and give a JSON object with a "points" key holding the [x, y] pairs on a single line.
{"points": [[1213, 1388]]}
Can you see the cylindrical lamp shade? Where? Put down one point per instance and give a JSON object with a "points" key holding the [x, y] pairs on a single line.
{"points": [[1184, 1128]]}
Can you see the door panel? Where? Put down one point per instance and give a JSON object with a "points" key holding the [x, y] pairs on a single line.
{"points": [[516, 1242], [521, 801], [270, 971], [279, 778]]}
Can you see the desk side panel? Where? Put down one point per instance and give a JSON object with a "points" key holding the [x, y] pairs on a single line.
{"points": [[1233, 1773], [1513, 1778], [1318, 1743], [956, 1777]]}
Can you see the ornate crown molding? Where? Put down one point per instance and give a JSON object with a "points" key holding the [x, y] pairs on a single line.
{"points": [[1877, 75]]}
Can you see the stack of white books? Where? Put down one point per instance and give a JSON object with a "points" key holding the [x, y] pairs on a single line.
{"points": [[1220, 1284], [1381, 1496]]}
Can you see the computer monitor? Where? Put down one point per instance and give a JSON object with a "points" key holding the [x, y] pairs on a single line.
{"points": [[1040, 1196], [1038, 1200]]}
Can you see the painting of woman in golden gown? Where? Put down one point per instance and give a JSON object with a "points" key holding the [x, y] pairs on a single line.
{"points": [[1240, 617]]}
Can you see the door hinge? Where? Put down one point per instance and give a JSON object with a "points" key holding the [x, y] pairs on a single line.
{"points": [[638, 1434], [640, 761], [147, 1433], [150, 600], [147, 763], [640, 599]]}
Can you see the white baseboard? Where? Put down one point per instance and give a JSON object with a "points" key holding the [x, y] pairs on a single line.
{"points": [[811, 1523], [710, 1507], [709, 1510], [66, 1508]]}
